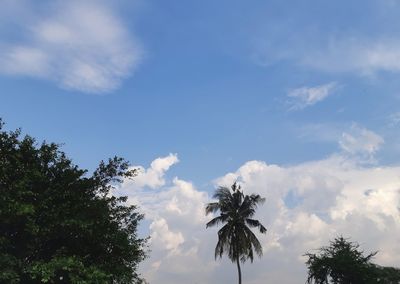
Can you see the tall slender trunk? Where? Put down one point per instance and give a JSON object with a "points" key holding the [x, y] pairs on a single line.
{"points": [[239, 271]]}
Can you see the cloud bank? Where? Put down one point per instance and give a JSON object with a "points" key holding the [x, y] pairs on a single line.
{"points": [[306, 205], [80, 45]]}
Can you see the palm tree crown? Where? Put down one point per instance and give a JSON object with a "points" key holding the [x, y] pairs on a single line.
{"points": [[235, 238]]}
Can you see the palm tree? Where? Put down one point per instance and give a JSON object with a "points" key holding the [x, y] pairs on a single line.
{"points": [[235, 237]]}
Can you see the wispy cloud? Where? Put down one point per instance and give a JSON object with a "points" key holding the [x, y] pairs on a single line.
{"points": [[353, 140], [360, 141], [303, 97], [394, 119], [361, 144], [356, 55], [81, 45]]}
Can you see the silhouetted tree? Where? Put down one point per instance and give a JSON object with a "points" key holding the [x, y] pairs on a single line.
{"points": [[342, 262], [235, 213], [60, 225]]}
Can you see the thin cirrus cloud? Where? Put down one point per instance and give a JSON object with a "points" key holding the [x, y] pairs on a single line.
{"points": [[359, 140], [80, 45], [327, 197], [353, 139], [303, 97], [357, 55]]}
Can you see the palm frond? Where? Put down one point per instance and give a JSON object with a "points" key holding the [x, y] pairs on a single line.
{"points": [[254, 241], [250, 204], [256, 224], [257, 199], [212, 207], [217, 220], [222, 193], [223, 240]]}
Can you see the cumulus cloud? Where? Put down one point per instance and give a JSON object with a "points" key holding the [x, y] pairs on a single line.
{"points": [[81, 45], [308, 96], [334, 196], [175, 211], [306, 205], [153, 177], [167, 239]]}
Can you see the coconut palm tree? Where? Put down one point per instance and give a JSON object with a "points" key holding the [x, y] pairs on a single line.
{"points": [[235, 213]]}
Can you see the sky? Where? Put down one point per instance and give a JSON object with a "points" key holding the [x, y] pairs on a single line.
{"points": [[297, 101]]}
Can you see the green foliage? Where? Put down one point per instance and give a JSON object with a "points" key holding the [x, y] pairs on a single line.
{"points": [[76, 271], [342, 262], [235, 213], [386, 275], [60, 225]]}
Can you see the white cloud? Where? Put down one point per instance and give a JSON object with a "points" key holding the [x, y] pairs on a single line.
{"points": [[354, 54], [153, 177], [360, 141], [175, 211], [362, 56], [161, 233], [353, 140], [308, 96], [81, 45], [25, 60], [336, 195]]}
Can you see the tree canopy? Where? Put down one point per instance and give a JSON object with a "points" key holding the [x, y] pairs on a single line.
{"points": [[60, 225], [342, 262], [235, 238]]}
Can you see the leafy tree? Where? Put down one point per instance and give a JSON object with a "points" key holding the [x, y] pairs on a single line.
{"points": [[236, 211], [386, 275], [60, 225], [342, 262]]}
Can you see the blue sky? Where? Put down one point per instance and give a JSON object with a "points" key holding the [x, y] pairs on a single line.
{"points": [[211, 81], [222, 85]]}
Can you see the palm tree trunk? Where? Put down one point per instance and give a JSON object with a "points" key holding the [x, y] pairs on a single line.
{"points": [[239, 271]]}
